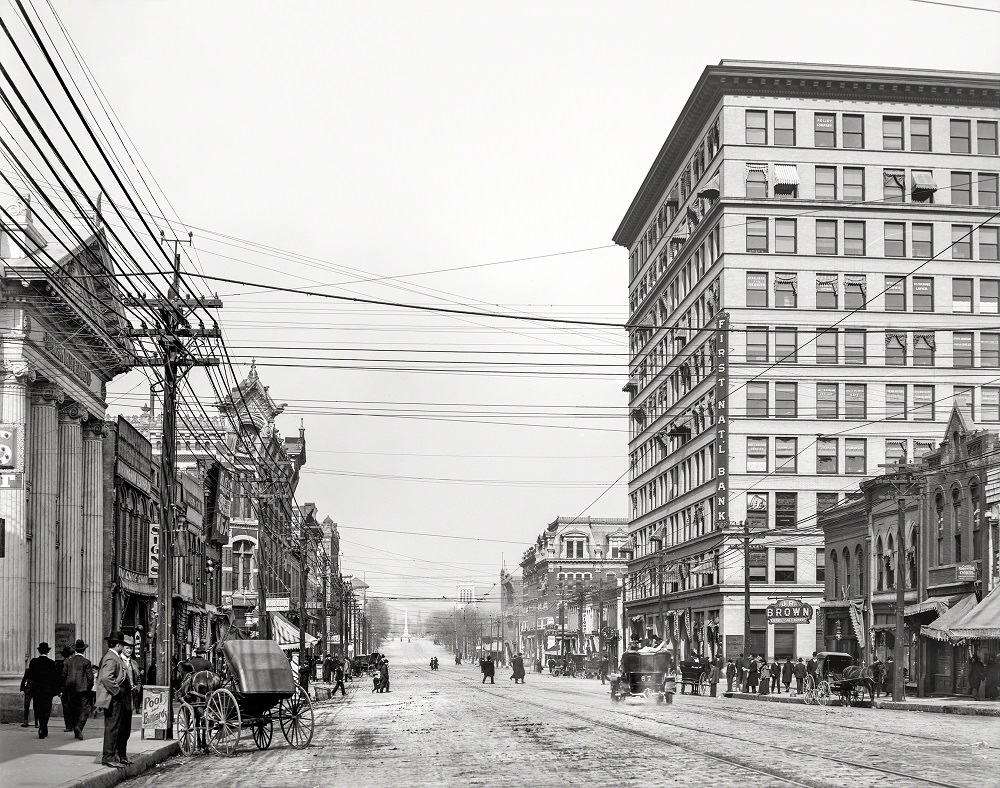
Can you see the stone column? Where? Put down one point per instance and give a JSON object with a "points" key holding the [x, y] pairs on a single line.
{"points": [[14, 643], [43, 451], [91, 621], [69, 603]]}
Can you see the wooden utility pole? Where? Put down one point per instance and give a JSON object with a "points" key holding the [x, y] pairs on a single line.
{"points": [[898, 683], [303, 577], [746, 587]]}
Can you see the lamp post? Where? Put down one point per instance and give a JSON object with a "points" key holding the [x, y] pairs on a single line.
{"points": [[627, 552]]}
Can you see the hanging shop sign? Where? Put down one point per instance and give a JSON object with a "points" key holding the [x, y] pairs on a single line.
{"points": [[11, 481], [789, 611], [965, 572], [8, 447]]}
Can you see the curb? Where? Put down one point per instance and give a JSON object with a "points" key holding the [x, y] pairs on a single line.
{"points": [[928, 708], [143, 763]]}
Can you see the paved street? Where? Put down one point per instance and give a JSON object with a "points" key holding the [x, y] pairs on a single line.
{"points": [[445, 728]]}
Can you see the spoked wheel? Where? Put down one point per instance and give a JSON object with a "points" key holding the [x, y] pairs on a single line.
{"points": [[704, 686], [295, 716], [857, 696], [222, 722], [808, 690], [186, 729], [263, 731], [823, 694]]}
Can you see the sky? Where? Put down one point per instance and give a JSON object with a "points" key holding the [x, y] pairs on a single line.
{"points": [[470, 155]]}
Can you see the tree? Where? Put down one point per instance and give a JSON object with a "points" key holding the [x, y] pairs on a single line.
{"points": [[378, 621]]}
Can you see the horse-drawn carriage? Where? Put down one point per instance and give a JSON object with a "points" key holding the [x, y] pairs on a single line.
{"points": [[254, 688], [838, 677], [566, 664], [695, 674], [642, 676]]}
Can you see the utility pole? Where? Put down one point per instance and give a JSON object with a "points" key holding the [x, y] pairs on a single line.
{"points": [[325, 609], [176, 358], [263, 631], [898, 684], [746, 587], [303, 579]]}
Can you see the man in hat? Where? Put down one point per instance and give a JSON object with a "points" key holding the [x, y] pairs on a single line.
{"points": [[114, 694], [44, 677], [78, 685], [199, 661]]}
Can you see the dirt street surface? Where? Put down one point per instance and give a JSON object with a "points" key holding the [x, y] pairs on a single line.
{"points": [[446, 728]]}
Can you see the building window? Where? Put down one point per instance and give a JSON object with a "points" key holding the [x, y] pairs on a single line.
{"points": [[756, 235], [757, 181], [855, 292], [826, 346], [989, 296], [756, 344], [961, 188], [784, 236], [784, 564], [757, 455], [895, 452], [960, 136], [895, 239], [923, 294], [895, 290], [854, 184], [784, 128], [855, 351], [821, 557], [825, 130], [855, 401], [892, 133], [988, 189], [575, 547], [757, 399], [923, 186], [963, 399], [826, 456], [986, 137], [991, 403], [961, 242], [895, 349], [826, 183], [961, 295], [786, 345], [243, 566], [756, 288], [854, 455], [756, 127], [989, 355], [893, 185], [854, 131], [923, 241], [920, 134], [854, 238], [826, 291], [785, 291], [895, 402], [923, 403], [827, 405], [989, 243], [826, 236], [785, 456], [923, 349], [962, 354], [786, 404]]}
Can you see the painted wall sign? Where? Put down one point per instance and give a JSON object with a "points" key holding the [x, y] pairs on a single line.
{"points": [[11, 481], [8, 446], [721, 368], [966, 572], [155, 708]]}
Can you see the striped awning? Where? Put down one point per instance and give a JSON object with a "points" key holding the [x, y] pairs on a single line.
{"points": [[711, 188], [786, 175], [940, 629], [287, 634], [923, 182], [983, 621]]}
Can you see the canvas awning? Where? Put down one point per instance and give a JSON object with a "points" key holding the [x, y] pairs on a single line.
{"points": [[711, 188], [940, 629], [786, 177], [937, 605], [287, 634], [923, 182], [983, 621]]}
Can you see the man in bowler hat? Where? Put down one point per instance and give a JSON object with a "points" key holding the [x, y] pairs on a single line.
{"points": [[114, 695], [44, 677], [78, 683]]}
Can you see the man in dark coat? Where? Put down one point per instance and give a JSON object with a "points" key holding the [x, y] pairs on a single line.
{"points": [[753, 676], [799, 671], [811, 667], [383, 676], [977, 674], [328, 666], [45, 680], [78, 685], [517, 663], [730, 674], [338, 676], [602, 668], [113, 691], [786, 673], [200, 662], [890, 676], [775, 674], [489, 669]]}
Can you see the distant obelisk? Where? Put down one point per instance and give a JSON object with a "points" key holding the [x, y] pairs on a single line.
{"points": [[406, 624]]}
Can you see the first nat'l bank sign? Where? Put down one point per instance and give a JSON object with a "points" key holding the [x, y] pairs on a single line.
{"points": [[789, 611]]}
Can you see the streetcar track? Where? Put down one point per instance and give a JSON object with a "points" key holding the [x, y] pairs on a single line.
{"points": [[730, 736]]}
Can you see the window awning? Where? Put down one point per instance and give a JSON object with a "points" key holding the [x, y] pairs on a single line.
{"points": [[923, 182], [786, 177], [983, 621], [711, 189], [941, 629], [287, 634]]}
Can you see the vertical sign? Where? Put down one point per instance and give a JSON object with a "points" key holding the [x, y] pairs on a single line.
{"points": [[154, 550], [721, 368]]}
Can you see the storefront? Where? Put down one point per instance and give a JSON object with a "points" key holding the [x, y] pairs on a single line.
{"points": [[945, 660]]}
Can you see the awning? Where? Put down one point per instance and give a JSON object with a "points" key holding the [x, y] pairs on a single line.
{"points": [[286, 633], [937, 605], [711, 189], [923, 182], [941, 628], [983, 621], [786, 177]]}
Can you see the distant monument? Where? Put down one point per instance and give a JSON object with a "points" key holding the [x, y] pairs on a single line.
{"points": [[406, 624]]}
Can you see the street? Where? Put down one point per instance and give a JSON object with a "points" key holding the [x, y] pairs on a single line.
{"points": [[445, 728]]}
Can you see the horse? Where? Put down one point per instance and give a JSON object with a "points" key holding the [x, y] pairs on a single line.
{"points": [[856, 678]]}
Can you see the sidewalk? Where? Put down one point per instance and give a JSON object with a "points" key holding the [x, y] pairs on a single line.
{"points": [[956, 704], [60, 761]]}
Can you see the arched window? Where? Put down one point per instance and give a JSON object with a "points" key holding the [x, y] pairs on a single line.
{"points": [[859, 562], [956, 522], [847, 573], [836, 573], [911, 559], [939, 536], [243, 566], [879, 565], [890, 564]]}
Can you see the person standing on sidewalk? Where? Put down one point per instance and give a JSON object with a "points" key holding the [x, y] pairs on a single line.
{"points": [[713, 678], [338, 675], [517, 664], [786, 674], [602, 669], [890, 676], [811, 667], [799, 671], [26, 689], [114, 694], [730, 674], [765, 677], [753, 676], [66, 653], [977, 673], [78, 684], [45, 679], [775, 673], [489, 669]]}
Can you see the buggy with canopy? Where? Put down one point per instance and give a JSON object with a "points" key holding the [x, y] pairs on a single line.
{"points": [[642, 676], [838, 676]]}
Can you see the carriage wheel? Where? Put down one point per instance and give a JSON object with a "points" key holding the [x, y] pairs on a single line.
{"points": [[186, 729], [823, 694], [857, 696], [263, 731], [808, 689], [704, 686], [295, 715], [222, 722]]}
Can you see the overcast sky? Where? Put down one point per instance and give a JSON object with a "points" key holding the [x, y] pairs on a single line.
{"points": [[388, 141]]}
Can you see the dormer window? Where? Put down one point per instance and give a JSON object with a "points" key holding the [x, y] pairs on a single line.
{"points": [[576, 547]]}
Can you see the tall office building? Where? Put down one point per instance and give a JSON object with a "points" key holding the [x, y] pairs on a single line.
{"points": [[813, 282]]}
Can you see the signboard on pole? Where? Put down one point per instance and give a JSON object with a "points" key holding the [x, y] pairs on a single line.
{"points": [[155, 709], [278, 604], [789, 611]]}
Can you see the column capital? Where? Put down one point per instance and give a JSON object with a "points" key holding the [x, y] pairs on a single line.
{"points": [[46, 393], [19, 371], [72, 412], [94, 429]]}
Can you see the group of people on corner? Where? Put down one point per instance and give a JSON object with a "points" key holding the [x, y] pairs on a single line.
{"points": [[380, 681], [83, 690], [757, 675], [984, 677]]}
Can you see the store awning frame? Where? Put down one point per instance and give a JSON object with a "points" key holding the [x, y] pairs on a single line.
{"points": [[941, 628], [983, 621], [287, 634]]}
